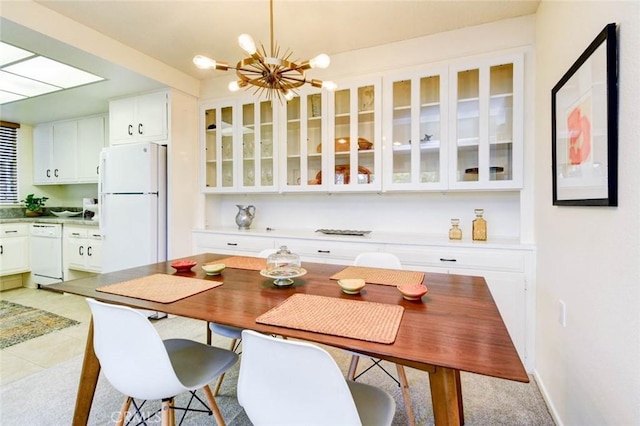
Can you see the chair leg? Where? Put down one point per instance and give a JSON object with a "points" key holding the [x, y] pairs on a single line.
{"points": [[405, 394], [214, 406], [208, 335], [123, 411], [172, 416], [166, 412], [353, 366], [216, 389]]}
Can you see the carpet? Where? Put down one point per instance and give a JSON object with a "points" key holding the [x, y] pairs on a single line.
{"points": [[20, 323], [487, 401]]}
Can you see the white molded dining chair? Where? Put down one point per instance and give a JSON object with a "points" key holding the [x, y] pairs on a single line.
{"points": [[291, 383], [139, 364], [233, 333], [386, 261]]}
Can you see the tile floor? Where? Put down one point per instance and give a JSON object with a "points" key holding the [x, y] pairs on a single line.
{"points": [[37, 354]]}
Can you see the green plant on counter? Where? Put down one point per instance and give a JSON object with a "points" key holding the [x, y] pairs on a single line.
{"points": [[34, 204]]}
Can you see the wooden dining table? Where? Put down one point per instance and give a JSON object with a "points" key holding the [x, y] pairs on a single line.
{"points": [[455, 327]]}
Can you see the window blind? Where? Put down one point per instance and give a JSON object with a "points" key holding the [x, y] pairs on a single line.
{"points": [[8, 163]]}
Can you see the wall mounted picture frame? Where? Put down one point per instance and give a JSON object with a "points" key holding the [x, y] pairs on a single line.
{"points": [[584, 123]]}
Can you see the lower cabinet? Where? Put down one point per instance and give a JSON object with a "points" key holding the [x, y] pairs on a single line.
{"points": [[508, 269], [14, 248], [82, 248]]}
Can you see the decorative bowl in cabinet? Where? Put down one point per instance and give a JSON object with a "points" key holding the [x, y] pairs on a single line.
{"points": [[412, 291]]}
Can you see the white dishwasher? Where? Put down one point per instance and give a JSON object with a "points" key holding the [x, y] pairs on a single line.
{"points": [[46, 253]]}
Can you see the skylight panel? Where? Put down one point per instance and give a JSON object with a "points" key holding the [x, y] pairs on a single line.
{"points": [[6, 97], [52, 72], [9, 53], [24, 86]]}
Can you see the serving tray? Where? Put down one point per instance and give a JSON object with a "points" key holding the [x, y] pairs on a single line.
{"points": [[343, 232]]}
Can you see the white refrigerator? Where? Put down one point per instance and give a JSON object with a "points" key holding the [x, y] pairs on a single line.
{"points": [[133, 205]]}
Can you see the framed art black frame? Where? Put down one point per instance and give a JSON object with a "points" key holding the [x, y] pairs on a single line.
{"points": [[584, 123]]}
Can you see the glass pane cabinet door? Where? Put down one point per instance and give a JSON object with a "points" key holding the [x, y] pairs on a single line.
{"points": [[488, 127], [218, 173], [355, 154], [414, 158], [305, 131], [258, 166], [267, 146], [249, 130]]}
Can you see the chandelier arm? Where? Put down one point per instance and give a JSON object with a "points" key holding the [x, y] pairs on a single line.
{"points": [[271, 24]]}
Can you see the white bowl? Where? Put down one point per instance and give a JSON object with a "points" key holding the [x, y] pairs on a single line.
{"points": [[213, 268], [351, 285]]}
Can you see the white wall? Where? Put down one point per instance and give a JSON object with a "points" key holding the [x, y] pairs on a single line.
{"points": [[426, 212], [589, 257]]}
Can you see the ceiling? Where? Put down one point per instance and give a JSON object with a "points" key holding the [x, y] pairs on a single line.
{"points": [[175, 31]]}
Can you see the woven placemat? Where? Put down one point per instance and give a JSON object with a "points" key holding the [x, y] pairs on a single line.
{"points": [[242, 262], [161, 288], [380, 275], [356, 319]]}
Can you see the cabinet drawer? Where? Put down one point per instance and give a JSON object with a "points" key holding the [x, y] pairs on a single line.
{"points": [[225, 243], [9, 230], [317, 250], [472, 258], [77, 233]]}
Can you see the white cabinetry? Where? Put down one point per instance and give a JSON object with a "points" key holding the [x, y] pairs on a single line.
{"points": [[229, 243], [140, 118], [66, 152], [14, 248], [486, 123], [82, 248]]}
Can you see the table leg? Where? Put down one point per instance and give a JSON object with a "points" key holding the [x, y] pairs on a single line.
{"points": [[446, 396], [88, 382]]}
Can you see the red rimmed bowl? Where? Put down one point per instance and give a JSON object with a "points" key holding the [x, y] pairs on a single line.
{"points": [[183, 265], [412, 291]]}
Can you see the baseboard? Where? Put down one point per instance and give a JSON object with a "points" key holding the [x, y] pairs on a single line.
{"points": [[547, 399]]}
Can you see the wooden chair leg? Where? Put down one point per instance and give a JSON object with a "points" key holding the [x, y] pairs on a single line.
{"points": [[214, 406], [216, 389], [123, 411], [166, 412], [404, 385], [172, 416], [353, 366]]}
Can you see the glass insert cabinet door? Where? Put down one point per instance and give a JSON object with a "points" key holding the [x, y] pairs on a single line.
{"points": [[257, 170], [486, 124], [355, 137], [416, 137], [304, 124], [218, 147]]}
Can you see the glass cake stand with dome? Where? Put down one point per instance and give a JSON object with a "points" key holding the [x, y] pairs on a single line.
{"points": [[283, 266]]}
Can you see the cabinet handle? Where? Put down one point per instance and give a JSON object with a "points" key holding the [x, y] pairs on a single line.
{"points": [[48, 172], [95, 235], [89, 251], [13, 231], [442, 259], [98, 170], [140, 128], [55, 172], [1, 249], [80, 252], [130, 130], [232, 244], [76, 234], [324, 251]]}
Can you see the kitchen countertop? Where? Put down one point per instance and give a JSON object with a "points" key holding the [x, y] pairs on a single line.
{"points": [[52, 219], [374, 237]]}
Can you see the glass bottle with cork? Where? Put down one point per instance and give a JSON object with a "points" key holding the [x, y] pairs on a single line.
{"points": [[455, 233], [479, 226]]}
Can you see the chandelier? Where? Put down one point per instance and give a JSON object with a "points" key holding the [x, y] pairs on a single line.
{"points": [[269, 73]]}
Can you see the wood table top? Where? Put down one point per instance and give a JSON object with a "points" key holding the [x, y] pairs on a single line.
{"points": [[456, 325]]}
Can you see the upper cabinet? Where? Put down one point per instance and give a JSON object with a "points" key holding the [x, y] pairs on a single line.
{"points": [[140, 118], [458, 126], [486, 124], [304, 130], [416, 135], [67, 152], [355, 128]]}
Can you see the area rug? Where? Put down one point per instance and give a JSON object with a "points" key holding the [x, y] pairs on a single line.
{"points": [[20, 323]]}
